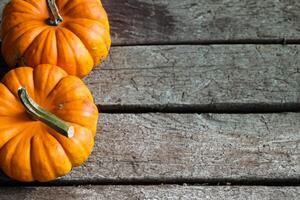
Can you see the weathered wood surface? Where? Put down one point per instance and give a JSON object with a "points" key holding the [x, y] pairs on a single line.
{"points": [[173, 146], [133, 148], [151, 193], [198, 75], [171, 21], [163, 21]]}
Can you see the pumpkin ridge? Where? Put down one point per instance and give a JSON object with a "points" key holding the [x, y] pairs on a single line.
{"points": [[77, 123], [84, 44], [56, 49], [79, 142], [31, 161], [49, 130], [72, 26], [23, 147], [29, 44], [19, 38], [48, 50], [62, 35], [79, 85], [36, 26], [56, 42], [12, 92], [11, 158], [44, 151], [102, 14], [73, 100], [65, 9], [106, 30], [80, 20], [33, 43], [8, 104], [55, 87], [16, 134], [86, 114], [64, 149], [3, 147], [44, 44], [47, 150], [35, 83], [30, 17], [53, 133], [53, 169], [33, 87], [17, 72], [36, 5], [30, 6], [50, 72], [63, 29]]}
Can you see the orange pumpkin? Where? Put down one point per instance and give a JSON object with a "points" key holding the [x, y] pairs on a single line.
{"points": [[48, 123], [72, 34]]}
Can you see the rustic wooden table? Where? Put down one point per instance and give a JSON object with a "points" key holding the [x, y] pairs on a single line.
{"points": [[199, 99]]}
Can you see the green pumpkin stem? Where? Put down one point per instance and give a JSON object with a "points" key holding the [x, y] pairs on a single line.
{"points": [[54, 11], [39, 113]]}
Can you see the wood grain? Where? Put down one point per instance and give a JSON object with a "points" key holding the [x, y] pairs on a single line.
{"points": [[203, 21], [191, 148], [151, 147], [215, 76], [151, 193], [139, 148], [165, 21]]}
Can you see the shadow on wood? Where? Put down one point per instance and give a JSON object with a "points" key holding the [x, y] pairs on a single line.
{"points": [[135, 20]]}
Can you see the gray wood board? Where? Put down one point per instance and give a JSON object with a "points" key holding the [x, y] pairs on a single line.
{"points": [[197, 75], [165, 21], [173, 21], [191, 146], [151, 193], [133, 148]]}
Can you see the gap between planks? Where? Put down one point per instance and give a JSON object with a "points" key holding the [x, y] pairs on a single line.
{"points": [[211, 108], [279, 41], [151, 192], [180, 182]]}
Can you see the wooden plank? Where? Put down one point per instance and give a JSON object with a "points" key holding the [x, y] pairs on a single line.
{"points": [[148, 148], [165, 21], [154, 148], [169, 21], [205, 76], [168, 147], [151, 192]]}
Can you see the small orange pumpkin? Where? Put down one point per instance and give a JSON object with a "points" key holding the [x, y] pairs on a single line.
{"points": [[48, 123], [72, 34]]}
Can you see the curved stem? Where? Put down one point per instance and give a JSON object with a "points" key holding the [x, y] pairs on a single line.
{"points": [[39, 113], [54, 10]]}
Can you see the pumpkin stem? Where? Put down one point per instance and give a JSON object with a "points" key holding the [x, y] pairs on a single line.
{"points": [[54, 10], [39, 113]]}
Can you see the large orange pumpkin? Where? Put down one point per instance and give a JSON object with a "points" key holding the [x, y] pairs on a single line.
{"points": [[47, 123], [73, 34]]}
